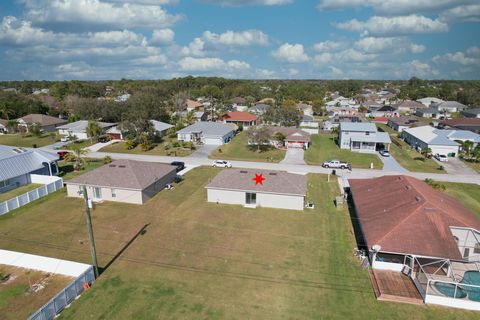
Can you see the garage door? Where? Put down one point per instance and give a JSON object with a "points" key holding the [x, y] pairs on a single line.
{"points": [[213, 141], [116, 136], [295, 144]]}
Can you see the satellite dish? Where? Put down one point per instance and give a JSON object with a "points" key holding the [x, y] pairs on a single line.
{"points": [[376, 247]]}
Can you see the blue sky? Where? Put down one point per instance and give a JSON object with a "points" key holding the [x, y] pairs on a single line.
{"points": [[251, 39]]}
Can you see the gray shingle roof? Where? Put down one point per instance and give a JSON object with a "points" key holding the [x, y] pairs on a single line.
{"points": [[278, 182], [125, 174], [210, 129], [18, 161], [358, 126], [42, 119], [160, 126]]}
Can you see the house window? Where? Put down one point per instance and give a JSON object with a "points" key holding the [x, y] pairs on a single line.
{"points": [[466, 253], [250, 198], [367, 133], [476, 249], [97, 193], [4, 183], [80, 190], [114, 193]]}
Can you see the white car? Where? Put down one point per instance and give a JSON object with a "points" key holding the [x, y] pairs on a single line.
{"points": [[221, 163], [441, 157], [64, 139]]}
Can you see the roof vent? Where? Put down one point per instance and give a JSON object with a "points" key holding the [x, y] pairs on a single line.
{"points": [[243, 171], [408, 187], [400, 178], [17, 150], [272, 174], [112, 165], [418, 199], [122, 166]]}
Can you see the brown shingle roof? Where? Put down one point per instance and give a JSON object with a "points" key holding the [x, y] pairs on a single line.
{"points": [[278, 182], [405, 215], [127, 174], [290, 133], [42, 119], [462, 121]]}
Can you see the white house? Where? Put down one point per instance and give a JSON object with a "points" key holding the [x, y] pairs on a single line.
{"points": [[126, 181], [449, 106], [438, 140], [79, 128], [278, 189], [16, 165], [161, 128], [211, 133], [362, 137], [429, 100]]}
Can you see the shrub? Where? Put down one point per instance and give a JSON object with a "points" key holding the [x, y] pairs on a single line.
{"points": [[176, 144], [107, 160], [130, 144], [435, 185]]}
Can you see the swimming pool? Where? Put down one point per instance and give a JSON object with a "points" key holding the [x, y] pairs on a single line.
{"points": [[473, 293]]}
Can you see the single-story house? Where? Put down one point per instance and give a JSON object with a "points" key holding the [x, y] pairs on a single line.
{"points": [[438, 140], [409, 228], [161, 128], [470, 124], [279, 189], [472, 113], [309, 124], [201, 116], [305, 108], [79, 128], [383, 111], [211, 133], [429, 100], [404, 122], [334, 122], [126, 181], [343, 111], [16, 165], [449, 106], [244, 119], [46, 123], [3, 126], [294, 137], [259, 109], [240, 107], [362, 137], [408, 106], [193, 105], [428, 113]]}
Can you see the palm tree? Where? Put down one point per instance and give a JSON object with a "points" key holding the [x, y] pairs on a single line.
{"points": [[93, 130], [425, 152], [467, 148], [77, 157], [191, 117], [5, 111]]}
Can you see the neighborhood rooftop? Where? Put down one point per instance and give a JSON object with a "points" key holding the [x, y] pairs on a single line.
{"points": [[278, 182], [42, 119], [81, 125], [430, 135], [127, 174], [358, 126], [208, 128], [17, 161]]}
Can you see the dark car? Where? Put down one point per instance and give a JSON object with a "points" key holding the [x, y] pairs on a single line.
{"points": [[61, 154], [103, 139], [180, 165]]}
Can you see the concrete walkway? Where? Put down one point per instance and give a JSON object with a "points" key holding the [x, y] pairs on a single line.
{"points": [[294, 156], [97, 146], [203, 151], [355, 173]]}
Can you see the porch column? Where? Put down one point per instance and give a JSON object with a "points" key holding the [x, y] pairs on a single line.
{"points": [[50, 168]]}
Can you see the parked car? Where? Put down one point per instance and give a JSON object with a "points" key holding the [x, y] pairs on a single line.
{"points": [[179, 164], [441, 157], [104, 138], [384, 153], [336, 164], [61, 154], [221, 163], [64, 139]]}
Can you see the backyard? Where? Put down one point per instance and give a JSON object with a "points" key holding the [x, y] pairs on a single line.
{"points": [[408, 157], [18, 298], [165, 148], [324, 148], [67, 172], [184, 258], [4, 196], [238, 149], [27, 140]]}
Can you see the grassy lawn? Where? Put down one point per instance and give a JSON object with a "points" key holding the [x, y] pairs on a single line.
{"points": [[408, 157], [67, 172], [324, 148], [18, 191], [80, 144], [474, 165], [467, 194], [158, 150], [200, 260], [27, 141], [238, 149]]}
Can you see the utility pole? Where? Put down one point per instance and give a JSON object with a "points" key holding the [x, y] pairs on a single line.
{"points": [[91, 241]]}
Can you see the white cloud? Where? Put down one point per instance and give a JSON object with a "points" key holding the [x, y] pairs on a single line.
{"points": [[336, 72], [97, 14], [468, 13], [240, 39], [351, 54], [157, 59], [162, 36], [264, 74], [417, 48], [470, 58], [329, 46], [211, 64], [291, 53], [237, 3], [393, 45], [393, 7], [323, 58], [194, 48], [401, 25]]}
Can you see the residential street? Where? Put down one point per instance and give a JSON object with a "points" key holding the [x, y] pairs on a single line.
{"points": [[355, 173]]}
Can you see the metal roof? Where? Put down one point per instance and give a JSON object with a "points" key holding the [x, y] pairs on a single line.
{"points": [[160, 126], [378, 137], [15, 161], [214, 129], [434, 136], [81, 126], [358, 126]]}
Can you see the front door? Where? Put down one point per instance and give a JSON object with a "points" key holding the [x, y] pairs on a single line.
{"points": [[97, 193], [250, 198]]}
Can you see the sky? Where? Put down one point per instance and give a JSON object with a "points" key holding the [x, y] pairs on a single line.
{"points": [[245, 39]]}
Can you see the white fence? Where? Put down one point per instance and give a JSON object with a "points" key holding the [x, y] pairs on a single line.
{"points": [[50, 184], [80, 271]]}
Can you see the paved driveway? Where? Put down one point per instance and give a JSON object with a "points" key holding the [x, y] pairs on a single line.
{"points": [[456, 166], [203, 151], [390, 164], [294, 156]]}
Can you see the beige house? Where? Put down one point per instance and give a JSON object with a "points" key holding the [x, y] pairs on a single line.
{"points": [[279, 189], [123, 181]]}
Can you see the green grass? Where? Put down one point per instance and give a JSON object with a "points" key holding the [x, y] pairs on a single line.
{"points": [[27, 141], [11, 293], [18, 191], [467, 194], [80, 144], [200, 260], [158, 150], [324, 148], [408, 157], [474, 165], [238, 149], [67, 172]]}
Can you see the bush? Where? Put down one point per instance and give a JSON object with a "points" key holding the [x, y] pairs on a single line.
{"points": [[130, 144], [167, 146], [107, 160], [435, 185], [176, 144]]}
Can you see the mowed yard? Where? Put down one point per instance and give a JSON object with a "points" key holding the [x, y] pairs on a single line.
{"points": [[324, 148], [27, 141], [238, 149], [198, 260], [159, 149]]}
